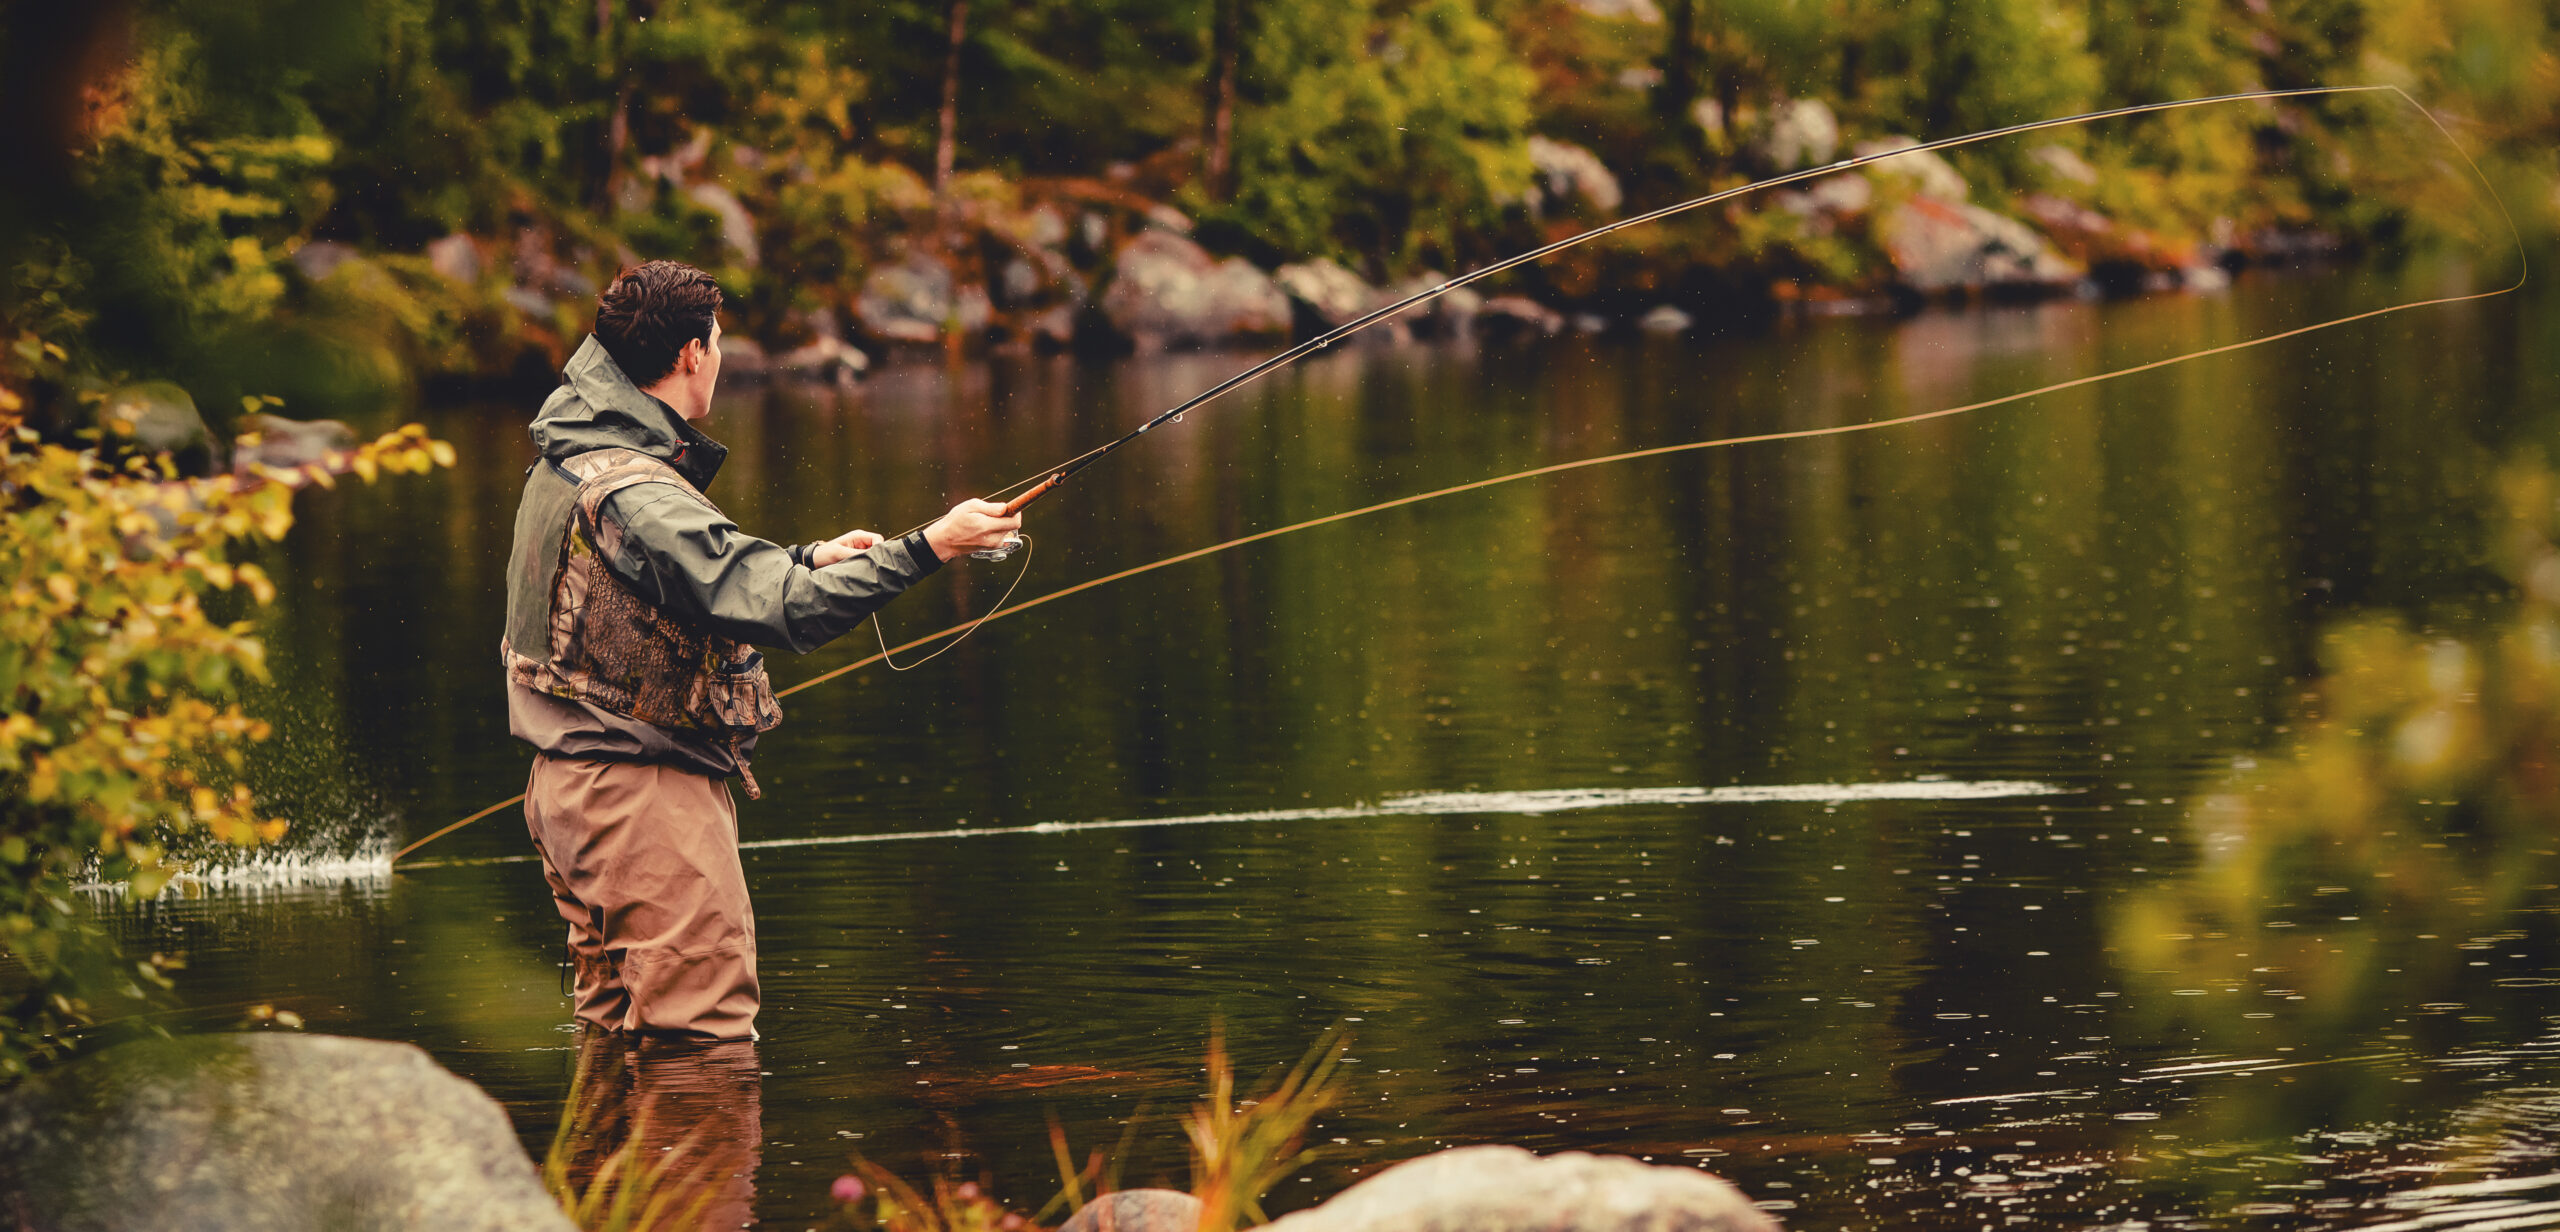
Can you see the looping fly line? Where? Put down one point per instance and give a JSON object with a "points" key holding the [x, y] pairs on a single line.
{"points": [[1051, 476]]}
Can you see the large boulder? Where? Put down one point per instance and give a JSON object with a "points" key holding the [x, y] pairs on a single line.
{"points": [[158, 416], [915, 299], [1448, 315], [1566, 171], [264, 1132], [1921, 172], [1327, 295], [1506, 1189], [737, 226], [1167, 291], [1939, 245]]}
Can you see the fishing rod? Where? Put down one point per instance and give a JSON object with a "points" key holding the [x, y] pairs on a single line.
{"points": [[1067, 470], [1049, 480]]}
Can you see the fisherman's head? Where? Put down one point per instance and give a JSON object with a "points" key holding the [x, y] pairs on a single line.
{"points": [[661, 323]]}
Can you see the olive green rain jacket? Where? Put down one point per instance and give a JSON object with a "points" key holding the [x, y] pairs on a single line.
{"points": [[672, 549]]}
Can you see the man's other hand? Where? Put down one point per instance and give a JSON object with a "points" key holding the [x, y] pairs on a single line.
{"points": [[972, 525], [842, 547]]}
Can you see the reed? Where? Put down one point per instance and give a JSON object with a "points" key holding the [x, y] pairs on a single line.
{"points": [[1239, 1150]]}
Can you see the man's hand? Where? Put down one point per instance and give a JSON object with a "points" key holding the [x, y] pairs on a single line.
{"points": [[971, 525], [842, 547]]}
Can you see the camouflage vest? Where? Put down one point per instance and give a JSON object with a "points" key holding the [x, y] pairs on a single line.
{"points": [[574, 630]]}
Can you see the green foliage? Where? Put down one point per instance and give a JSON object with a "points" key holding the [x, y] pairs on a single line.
{"points": [[119, 724], [1378, 133], [2404, 737]]}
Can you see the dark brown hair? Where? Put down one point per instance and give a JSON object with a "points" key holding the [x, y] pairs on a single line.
{"points": [[650, 312]]}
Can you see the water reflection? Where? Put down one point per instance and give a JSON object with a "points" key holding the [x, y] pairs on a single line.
{"points": [[678, 1122]]}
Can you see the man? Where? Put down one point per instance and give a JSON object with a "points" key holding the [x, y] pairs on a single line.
{"points": [[631, 607]]}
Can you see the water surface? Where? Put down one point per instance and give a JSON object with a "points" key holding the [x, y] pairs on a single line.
{"points": [[1989, 660]]}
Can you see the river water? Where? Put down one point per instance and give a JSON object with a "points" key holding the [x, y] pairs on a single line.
{"points": [[1785, 810]]}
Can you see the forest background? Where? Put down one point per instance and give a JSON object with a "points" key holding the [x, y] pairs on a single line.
{"points": [[337, 202]]}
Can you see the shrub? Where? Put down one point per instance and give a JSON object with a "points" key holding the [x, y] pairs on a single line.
{"points": [[119, 724]]}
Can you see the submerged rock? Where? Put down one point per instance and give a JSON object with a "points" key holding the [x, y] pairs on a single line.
{"points": [[1665, 319], [266, 1132], [1137, 1210], [282, 442], [1506, 316], [1506, 1189], [1167, 291]]}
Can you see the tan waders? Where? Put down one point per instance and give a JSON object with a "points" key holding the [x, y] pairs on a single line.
{"points": [[643, 864]]}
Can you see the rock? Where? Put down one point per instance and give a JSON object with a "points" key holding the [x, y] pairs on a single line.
{"points": [[1053, 327], [826, 358], [1449, 315], [2062, 164], [321, 258], [1327, 295], [1939, 245], [1802, 133], [264, 1131], [1167, 291], [1323, 286], [1512, 315], [1504, 1188], [1665, 320], [1566, 171], [156, 415], [273, 440], [530, 302], [1137, 1210], [737, 226], [455, 257], [1622, 10], [1842, 192], [1708, 115], [915, 299], [1832, 197], [1924, 172]]}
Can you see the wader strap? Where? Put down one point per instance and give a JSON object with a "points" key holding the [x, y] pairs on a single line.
{"points": [[746, 774]]}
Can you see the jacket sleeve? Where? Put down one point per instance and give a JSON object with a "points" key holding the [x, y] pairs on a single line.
{"points": [[679, 553]]}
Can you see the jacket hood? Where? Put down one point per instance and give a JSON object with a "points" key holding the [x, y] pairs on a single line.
{"points": [[597, 407]]}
